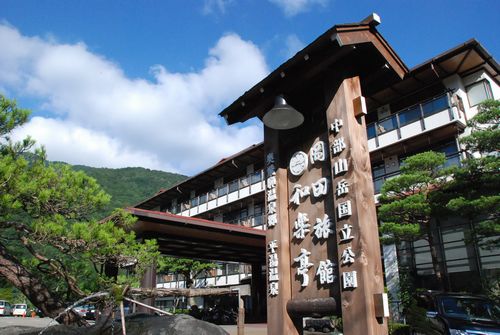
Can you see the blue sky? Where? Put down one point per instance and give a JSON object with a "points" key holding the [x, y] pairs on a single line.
{"points": [[120, 83]]}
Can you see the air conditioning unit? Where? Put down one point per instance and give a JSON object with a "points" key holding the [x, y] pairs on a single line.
{"points": [[383, 111]]}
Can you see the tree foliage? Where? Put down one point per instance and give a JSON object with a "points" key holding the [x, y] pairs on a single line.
{"points": [[426, 190], [474, 192], [51, 248], [485, 126], [128, 186], [410, 201]]}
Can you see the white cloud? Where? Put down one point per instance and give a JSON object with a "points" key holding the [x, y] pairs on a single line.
{"points": [[215, 6], [294, 7], [71, 143], [293, 45], [95, 115]]}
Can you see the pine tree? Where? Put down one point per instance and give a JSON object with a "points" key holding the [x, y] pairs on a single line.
{"points": [[50, 247], [475, 190]]}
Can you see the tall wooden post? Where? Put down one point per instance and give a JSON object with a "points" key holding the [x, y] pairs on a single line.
{"points": [[278, 320], [258, 291], [148, 281], [322, 235], [360, 268]]}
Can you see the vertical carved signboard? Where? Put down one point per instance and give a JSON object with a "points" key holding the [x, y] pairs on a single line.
{"points": [[323, 253], [360, 268], [311, 215]]}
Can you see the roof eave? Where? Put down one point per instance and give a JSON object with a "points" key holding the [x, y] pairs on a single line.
{"points": [[339, 35]]}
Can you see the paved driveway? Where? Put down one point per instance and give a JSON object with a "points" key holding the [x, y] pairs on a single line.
{"points": [[22, 323], [250, 329], [8, 321]]}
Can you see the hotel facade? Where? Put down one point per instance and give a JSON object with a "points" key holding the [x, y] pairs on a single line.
{"points": [[425, 110]]}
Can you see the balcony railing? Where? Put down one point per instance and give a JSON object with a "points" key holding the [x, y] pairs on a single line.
{"points": [[452, 159], [412, 121], [226, 193], [254, 221]]}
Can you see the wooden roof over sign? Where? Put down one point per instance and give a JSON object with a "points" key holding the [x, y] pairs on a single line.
{"points": [[360, 43]]}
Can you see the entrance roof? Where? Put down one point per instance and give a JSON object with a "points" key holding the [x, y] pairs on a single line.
{"points": [[189, 237]]}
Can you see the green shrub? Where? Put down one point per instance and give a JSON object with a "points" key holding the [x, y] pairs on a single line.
{"points": [[398, 328]]}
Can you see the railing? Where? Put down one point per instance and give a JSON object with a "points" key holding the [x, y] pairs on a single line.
{"points": [[451, 159], [221, 191], [408, 115], [253, 221]]}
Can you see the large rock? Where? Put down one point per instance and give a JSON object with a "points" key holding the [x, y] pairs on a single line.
{"points": [[136, 324]]}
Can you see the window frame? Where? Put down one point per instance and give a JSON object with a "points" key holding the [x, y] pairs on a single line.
{"points": [[487, 88]]}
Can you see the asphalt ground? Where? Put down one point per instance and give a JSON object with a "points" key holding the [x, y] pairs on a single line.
{"points": [[36, 322], [250, 329], [14, 325]]}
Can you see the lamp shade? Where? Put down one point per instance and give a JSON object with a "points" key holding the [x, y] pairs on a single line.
{"points": [[282, 116]]}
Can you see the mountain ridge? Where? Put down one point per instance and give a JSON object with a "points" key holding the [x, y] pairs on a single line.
{"points": [[130, 185]]}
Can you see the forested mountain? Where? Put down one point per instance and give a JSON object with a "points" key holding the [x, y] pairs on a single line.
{"points": [[128, 186]]}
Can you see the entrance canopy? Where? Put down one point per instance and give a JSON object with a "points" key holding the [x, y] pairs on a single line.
{"points": [[189, 237]]}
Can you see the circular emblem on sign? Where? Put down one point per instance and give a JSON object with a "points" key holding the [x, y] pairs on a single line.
{"points": [[298, 163]]}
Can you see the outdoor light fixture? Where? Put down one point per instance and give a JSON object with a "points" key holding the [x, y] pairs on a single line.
{"points": [[282, 116]]}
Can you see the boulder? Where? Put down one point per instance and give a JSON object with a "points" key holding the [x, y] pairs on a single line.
{"points": [[136, 324]]}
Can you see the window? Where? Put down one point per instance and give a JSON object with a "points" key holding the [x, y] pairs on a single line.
{"points": [[194, 202], [387, 124], [233, 269], [435, 105], [203, 198], [378, 172], [243, 182], [172, 209], [256, 177], [212, 195], [370, 130], [410, 115], [452, 154], [258, 219], [233, 186], [479, 92], [231, 217], [222, 190]]}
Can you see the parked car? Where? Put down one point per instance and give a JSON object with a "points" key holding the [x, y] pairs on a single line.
{"points": [[5, 308], [82, 310], [20, 310], [462, 314], [90, 315]]}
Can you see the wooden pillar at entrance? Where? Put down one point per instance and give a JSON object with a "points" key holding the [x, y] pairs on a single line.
{"points": [[322, 235], [258, 293], [357, 301], [148, 281], [278, 320]]}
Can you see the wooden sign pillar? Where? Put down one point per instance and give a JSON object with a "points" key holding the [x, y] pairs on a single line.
{"points": [[323, 251], [277, 239], [359, 262]]}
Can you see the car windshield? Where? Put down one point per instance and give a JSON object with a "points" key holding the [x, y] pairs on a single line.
{"points": [[20, 306], [470, 308]]}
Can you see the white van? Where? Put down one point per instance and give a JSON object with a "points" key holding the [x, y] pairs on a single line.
{"points": [[5, 308], [20, 310]]}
